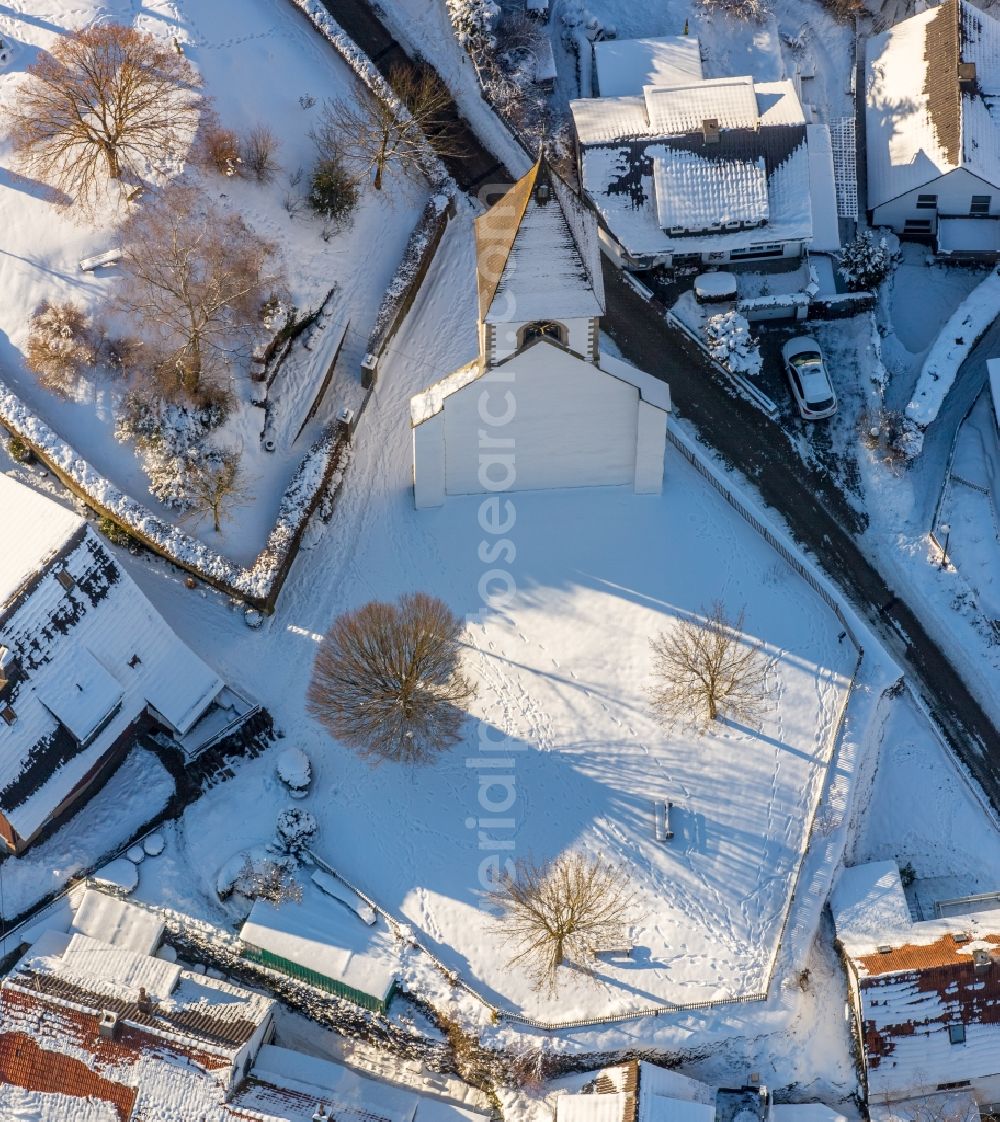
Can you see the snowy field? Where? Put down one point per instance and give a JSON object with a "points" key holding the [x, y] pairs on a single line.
{"points": [[562, 671], [262, 62]]}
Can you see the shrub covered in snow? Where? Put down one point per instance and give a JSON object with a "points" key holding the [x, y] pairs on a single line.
{"points": [[170, 439], [731, 344], [296, 828], [59, 346], [333, 191], [474, 21], [865, 262], [295, 771], [256, 874]]}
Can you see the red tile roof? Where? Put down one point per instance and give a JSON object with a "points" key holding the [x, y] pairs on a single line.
{"points": [[24, 1063], [924, 956]]}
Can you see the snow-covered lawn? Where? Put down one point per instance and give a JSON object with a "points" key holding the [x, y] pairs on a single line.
{"points": [[562, 670], [262, 62]]}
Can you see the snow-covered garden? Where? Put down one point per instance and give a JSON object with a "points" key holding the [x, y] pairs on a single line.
{"points": [[265, 71]]}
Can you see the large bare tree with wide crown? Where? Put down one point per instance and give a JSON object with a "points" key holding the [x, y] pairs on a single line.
{"points": [[105, 103]]}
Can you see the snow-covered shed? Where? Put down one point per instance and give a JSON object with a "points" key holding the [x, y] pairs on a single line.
{"points": [[84, 1021], [925, 994], [692, 170], [540, 407], [320, 941], [933, 128], [86, 665]]}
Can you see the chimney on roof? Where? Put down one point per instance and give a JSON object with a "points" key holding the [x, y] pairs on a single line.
{"points": [[320, 1115], [107, 1025], [145, 1002], [6, 658], [966, 75], [710, 130], [981, 962]]}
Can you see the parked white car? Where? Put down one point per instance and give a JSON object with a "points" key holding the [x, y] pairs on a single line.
{"points": [[808, 378]]}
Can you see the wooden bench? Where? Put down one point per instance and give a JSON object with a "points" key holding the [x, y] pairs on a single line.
{"points": [[100, 260]]}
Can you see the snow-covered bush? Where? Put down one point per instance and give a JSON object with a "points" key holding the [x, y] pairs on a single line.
{"points": [[18, 450], [59, 346], [295, 771], [753, 11], [865, 262], [731, 344], [170, 439], [256, 874], [333, 191], [474, 21], [296, 828]]}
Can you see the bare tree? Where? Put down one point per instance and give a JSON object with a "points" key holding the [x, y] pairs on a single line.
{"points": [[196, 279], [563, 911], [387, 679], [215, 483], [258, 153], [373, 134], [105, 101], [707, 668], [59, 345]]}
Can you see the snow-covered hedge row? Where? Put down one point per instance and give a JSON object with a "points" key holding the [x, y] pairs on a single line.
{"points": [[956, 339], [421, 245], [322, 467], [365, 69]]}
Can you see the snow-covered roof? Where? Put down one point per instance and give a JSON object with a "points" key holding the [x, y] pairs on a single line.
{"points": [[625, 66], [318, 933], [431, 401], [664, 1082], [90, 656], [915, 981], [35, 529], [610, 1107], [291, 1084], [869, 905], [117, 923], [806, 1112], [675, 110], [625, 195], [92, 961], [822, 190], [922, 119], [695, 194], [539, 255], [679, 110]]}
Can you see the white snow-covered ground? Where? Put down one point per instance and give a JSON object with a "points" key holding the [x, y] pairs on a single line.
{"points": [[562, 672], [262, 62]]}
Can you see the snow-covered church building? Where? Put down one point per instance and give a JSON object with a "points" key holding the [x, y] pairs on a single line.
{"points": [[541, 406]]}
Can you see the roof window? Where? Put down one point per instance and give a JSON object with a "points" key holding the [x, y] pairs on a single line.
{"points": [[956, 1033]]}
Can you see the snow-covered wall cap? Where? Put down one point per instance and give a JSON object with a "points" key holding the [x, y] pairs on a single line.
{"points": [[33, 529]]}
